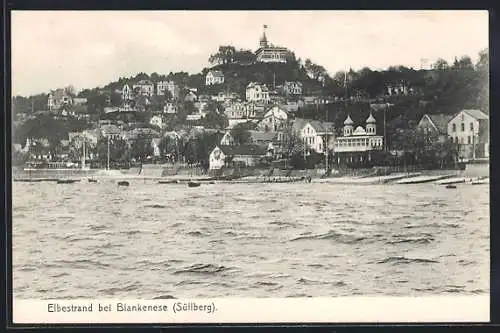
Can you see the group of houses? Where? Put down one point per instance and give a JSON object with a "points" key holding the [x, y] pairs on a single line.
{"points": [[272, 112], [468, 129]]}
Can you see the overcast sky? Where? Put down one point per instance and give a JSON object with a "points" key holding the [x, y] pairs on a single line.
{"points": [[52, 49]]}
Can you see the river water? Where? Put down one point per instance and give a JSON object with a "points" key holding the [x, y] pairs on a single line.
{"points": [[98, 240]]}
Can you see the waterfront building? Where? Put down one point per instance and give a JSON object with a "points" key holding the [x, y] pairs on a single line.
{"points": [[435, 124], [270, 53], [470, 130], [214, 77], [356, 146], [314, 132], [247, 155]]}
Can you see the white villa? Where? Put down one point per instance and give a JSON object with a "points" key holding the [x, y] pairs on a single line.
{"points": [[144, 87], [214, 77], [257, 92], [356, 145], [274, 120], [313, 133]]}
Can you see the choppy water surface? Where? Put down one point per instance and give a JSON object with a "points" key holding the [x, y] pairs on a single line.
{"points": [[97, 240]]}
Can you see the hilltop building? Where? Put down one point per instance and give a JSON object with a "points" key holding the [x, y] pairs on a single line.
{"points": [[270, 53], [58, 98]]}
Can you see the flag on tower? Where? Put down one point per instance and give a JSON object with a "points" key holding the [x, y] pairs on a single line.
{"points": [[265, 26]]}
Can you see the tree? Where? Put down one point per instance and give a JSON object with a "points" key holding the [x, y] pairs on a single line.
{"points": [[316, 72], [244, 56], [225, 55], [118, 150], [241, 132], [215, 120], [141, 148], [440, 64]]}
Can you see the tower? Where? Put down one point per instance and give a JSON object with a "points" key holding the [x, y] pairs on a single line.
{"points": [[370, 125], [348, 126], [263, 39]]}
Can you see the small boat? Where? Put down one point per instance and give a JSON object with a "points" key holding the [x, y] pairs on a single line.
{"points": [[66, 181], [194, 184], [480, 182], [92, 180], [168, 182], [211, 182], [123, 183], [451, 186]]}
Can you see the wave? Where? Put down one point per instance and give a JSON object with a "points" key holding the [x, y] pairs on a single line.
{"points": [[318, 282], [155, 206], [404, 260], [187, 283], [82, 263], [98, 227], [164, 297], [204, 269], [196, 233], [422, 240], [342, 238]]}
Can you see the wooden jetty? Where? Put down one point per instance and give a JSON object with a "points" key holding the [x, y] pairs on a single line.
{"points": [[422, 179]]}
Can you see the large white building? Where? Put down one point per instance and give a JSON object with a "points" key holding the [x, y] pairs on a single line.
{"points": [[257, 92], [314, 133], [144, 87], [170, 86], [470, 130], [270, 53], [357, 144]]}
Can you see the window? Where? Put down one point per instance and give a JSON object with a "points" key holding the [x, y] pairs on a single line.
{"points": [[462, 141], [462, 127], [472, 127], [453, 127], [456, 139], [469, 141]]}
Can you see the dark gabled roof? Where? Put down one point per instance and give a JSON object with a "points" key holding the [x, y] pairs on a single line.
{"points": [[478, 114], [319, 126], [440, 121], [216, 73], [262, 136], [243, 150]]}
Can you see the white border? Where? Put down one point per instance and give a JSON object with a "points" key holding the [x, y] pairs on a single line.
{"points": [[441, 309]]}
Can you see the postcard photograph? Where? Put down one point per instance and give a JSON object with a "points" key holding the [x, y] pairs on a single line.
{"points": [[282, 155]]}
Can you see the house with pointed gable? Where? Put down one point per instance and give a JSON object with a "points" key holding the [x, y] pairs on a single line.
{"points": [[214, 77], [436, 124], [275, 119], [314, 132], [470, 130], [257, 92], [247, 155]]}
